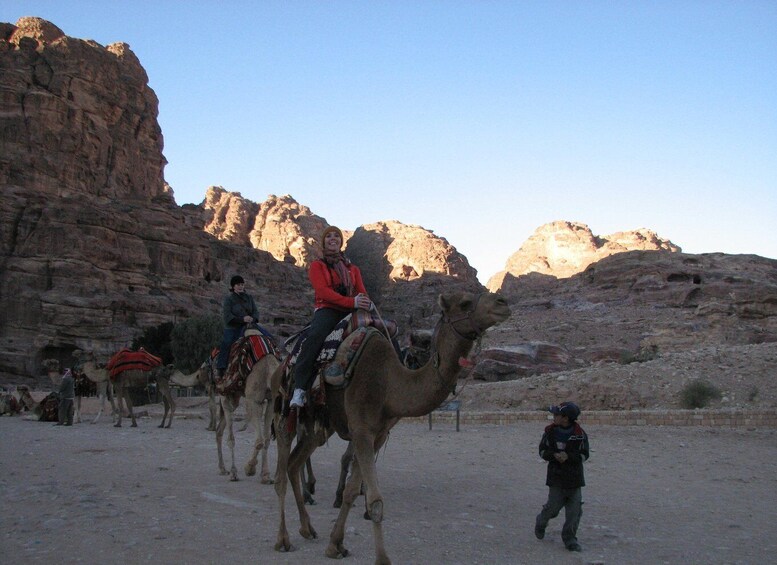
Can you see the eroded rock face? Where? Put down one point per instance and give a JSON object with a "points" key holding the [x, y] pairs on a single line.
{"points": [[93, 247], [562, 249]]}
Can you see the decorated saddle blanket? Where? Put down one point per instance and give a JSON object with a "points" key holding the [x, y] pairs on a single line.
{"points": [[126, 360], [49, 408], [245, 352], [82, 385], [334, 364]]}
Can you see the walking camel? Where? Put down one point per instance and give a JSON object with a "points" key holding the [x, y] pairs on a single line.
{"points": [[258, 394], [100, 377], [381, 392], [136, 378], [201, 377]]}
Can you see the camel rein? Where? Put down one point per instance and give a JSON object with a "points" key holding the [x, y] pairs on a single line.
{"points": [[475, 335]]}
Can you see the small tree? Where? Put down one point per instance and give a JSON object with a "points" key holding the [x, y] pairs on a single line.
{"points": [[156, 340], [698, 394], [193, 340]]}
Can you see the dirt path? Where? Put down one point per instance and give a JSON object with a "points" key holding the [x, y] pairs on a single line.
{"points": [[97, 494]]}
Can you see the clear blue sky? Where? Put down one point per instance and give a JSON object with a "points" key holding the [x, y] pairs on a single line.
{"points": [[479, 120]]}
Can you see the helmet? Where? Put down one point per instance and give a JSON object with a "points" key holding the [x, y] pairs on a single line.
{"points": [[568, 409]]}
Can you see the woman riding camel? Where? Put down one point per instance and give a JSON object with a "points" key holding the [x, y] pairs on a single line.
{"points": [[339, 290], [238, 311]]}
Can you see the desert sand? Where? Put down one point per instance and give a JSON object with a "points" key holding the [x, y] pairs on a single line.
{"points": [[92, 493]]}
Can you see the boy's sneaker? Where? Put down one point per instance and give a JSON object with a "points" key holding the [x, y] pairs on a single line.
{"points": [[298, 399], [574, 546], [539, 531]]}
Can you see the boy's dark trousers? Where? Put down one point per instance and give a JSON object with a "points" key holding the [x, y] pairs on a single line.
{"points": [[571, 499]]}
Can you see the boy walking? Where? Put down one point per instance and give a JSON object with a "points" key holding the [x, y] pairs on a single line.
{"points": [[564, 446]]}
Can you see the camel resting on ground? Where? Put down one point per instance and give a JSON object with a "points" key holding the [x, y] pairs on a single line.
{"points": [[381, 392]]}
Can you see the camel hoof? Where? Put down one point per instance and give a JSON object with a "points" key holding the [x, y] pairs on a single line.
{"points": [[284, 546], [134, 425], [116, 425], [250, 470], [233, 478], [376, 511], [268, 481], [309, 533], [336, 552]]}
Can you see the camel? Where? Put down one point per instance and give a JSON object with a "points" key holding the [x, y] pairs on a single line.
{"points": [[258, 395], [201, 377], [381, 392], [136, 378], [98, 375]]}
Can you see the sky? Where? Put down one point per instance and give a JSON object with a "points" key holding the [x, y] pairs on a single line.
{"points": [[478, 120]]}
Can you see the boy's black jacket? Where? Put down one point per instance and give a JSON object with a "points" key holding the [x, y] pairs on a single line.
{"points": [[570, 473]]}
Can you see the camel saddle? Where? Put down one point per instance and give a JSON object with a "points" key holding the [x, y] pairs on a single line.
{"points": [[126, 360], [341, 349], [243, 354]]}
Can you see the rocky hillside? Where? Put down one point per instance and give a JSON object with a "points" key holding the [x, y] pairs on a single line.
{"points": [[94, 249]]}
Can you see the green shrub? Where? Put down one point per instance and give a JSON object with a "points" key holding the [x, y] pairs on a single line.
{"points": [[192, 341], [156, 340], [698, 394]]}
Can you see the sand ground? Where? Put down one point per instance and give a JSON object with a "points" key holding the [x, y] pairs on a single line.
{"points": [[96, 494]]}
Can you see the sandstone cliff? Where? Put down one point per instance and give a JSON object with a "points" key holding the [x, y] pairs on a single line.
{"points": [[93, 248], [563, 249]]}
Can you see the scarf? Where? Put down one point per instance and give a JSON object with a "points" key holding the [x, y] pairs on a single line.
{"points": [[340, 263]]}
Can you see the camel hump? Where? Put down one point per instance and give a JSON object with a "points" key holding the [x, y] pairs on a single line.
{"points": [[338, 372]]}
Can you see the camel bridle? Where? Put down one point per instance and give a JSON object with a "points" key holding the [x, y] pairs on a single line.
{"points": [[474, 334]]}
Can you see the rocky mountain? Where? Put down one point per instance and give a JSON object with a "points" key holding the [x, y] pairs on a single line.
{"points": [[94, 249], [563, 249]]}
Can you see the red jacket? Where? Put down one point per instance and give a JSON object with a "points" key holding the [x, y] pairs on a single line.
{"points": [[324, 281]]}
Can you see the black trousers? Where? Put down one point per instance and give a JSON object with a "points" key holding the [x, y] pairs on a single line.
{"points": [[324, 321]]}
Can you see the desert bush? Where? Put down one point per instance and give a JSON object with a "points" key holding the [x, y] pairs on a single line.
{"points": [[698, 394], [192, 341], [156, 340]]}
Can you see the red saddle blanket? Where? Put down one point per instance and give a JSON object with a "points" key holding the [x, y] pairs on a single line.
{"points": [[244, 353], [126, 360]]}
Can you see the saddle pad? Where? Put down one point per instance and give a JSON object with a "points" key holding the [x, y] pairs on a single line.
{"points": [[126, 360], [244, 353]]}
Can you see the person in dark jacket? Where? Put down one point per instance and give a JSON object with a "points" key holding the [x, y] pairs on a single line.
{"points": [[66, 396], [564, 445], [238, 311]]}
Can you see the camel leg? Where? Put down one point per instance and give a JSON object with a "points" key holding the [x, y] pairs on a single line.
{"points": [[345, 463], [351, 491], [128, 402], [252, 416], [365, 447], [262, 423], [167, 399], [305, 447], [120, 400], [222, 423], [101, 390], [212, 409], [283, 446], [234, 403], [77, 404]]}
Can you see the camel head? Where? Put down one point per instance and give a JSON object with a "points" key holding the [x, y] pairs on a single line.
{"points": [[472, 314]]}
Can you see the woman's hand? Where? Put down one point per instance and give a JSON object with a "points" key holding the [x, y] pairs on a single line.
{"points": [[362, 302], [248, 319]]}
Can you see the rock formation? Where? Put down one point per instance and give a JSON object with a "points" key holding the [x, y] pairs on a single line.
{"points": [[563, 249]]}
